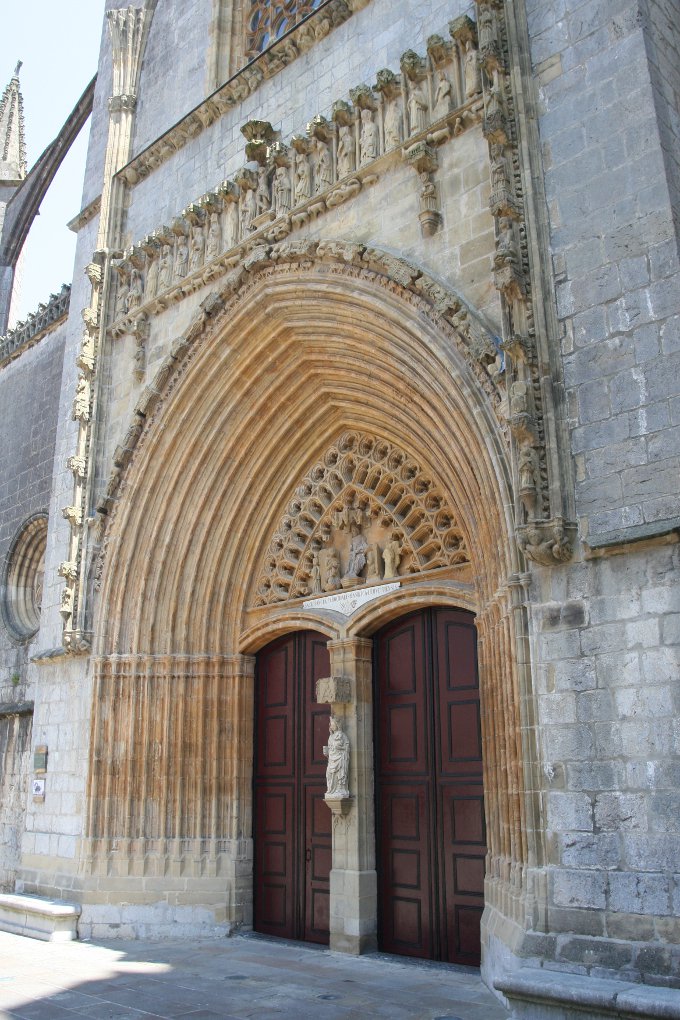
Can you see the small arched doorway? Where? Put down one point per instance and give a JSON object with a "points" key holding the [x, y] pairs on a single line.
{"points": [[291, 822], [431, 840]]}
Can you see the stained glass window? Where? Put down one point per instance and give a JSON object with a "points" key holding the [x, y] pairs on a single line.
{"points": [[268, 20]]}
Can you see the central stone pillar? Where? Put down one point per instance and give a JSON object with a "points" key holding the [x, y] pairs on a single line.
{"points": [[353, 886]]}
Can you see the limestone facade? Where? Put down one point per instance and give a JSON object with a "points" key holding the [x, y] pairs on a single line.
{"points": [[393, 305]]}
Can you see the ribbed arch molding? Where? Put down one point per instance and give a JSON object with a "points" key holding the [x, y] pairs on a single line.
{"points": [[263, 383]]}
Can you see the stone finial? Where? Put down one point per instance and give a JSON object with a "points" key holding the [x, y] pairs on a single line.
{"points": [[12, 137]]}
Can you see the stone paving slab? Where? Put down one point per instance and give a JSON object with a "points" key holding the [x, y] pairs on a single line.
{"points": [[240, 978]]}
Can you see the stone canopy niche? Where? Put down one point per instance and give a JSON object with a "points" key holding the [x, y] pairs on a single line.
{"points": [[365, 513]]}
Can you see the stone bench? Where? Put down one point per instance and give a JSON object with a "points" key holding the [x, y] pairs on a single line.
{"points": [[38, 917], [542, 994]]}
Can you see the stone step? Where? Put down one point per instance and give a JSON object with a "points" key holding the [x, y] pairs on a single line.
{"points": [[550, 995], [38, 917]]}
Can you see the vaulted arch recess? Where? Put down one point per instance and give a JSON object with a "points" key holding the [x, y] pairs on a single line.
{"points": [[301, 356]]}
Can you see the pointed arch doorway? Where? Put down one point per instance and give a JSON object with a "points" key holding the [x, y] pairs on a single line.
{"points": [[431, 841], [291, 822]]}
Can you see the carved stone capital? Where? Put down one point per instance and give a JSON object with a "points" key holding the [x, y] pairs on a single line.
{"points": [[334, 690]]}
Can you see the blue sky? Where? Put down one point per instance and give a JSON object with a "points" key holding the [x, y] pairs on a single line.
{"points": [[59, 47]]}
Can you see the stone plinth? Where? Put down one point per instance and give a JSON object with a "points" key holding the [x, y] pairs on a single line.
{"points": [[47, 920]]}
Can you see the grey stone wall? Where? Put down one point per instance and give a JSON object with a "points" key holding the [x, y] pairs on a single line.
{"points": [[29, 397], [15, 750], [662, 36], [615, 261], [608, 640], [173, 69]]}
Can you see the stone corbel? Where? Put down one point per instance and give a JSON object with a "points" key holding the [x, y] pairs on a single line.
{"points": [[334, 690], [423, 159], [259, 135], [547, 542]]}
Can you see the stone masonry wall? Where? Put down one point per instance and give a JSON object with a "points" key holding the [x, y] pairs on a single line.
{"points": [[608, 641], [615, 262], [662, 35], [29, 397]]}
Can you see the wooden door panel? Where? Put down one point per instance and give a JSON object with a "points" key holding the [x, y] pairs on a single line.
{"points": [[429, 794], [292, 824]]}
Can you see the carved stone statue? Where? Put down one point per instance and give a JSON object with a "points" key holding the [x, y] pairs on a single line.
{"points": [[262, 197], [122, 296], [369, 141], [135, 294], [231, 231], [282, 190], [197, 248], [181, 258], [357, 556], [316, 575], [324, 177], [345, 151], [392, 557], [81, 402], [214, 242], [527, 468], [373, 563], [417, 108], [303, 179], [393, 124], [443, 97], [519, 398], [248, 211], [473, 84], [151, 285], [165, 268], [337, 753], [332, 565]]}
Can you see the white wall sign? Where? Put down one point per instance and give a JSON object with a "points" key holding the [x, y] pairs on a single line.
{"points": [[347, 602]]}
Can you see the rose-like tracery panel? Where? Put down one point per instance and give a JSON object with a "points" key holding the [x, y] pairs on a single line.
{"points": [[268, 20], [365, 513]]}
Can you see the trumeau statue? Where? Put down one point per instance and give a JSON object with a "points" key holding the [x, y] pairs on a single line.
{"points": [[337, 753]]}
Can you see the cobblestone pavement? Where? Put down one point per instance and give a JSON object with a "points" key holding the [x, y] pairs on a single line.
{"points": [[232, 979]]}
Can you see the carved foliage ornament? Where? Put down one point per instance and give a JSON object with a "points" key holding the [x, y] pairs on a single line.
{"points": [[365, 512]]}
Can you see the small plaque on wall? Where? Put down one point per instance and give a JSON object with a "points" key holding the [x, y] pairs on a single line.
{"points": [[38, 787], [40, 758]]}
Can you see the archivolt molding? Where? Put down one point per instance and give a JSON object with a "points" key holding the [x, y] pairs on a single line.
{"points": [[463, 328]]}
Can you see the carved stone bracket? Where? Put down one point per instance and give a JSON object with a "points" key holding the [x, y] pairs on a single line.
{"points": [[423, 159], [334, 690], [340, 806]]}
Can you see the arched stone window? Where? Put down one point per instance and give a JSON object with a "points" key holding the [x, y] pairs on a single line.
{"points": [[23, 579], [268, 20]]}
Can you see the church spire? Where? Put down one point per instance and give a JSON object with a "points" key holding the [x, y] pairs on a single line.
{"points": [[12, 139]]}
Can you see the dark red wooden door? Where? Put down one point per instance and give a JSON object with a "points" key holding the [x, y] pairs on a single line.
{"points": [[429, 789], [292, 824]]}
